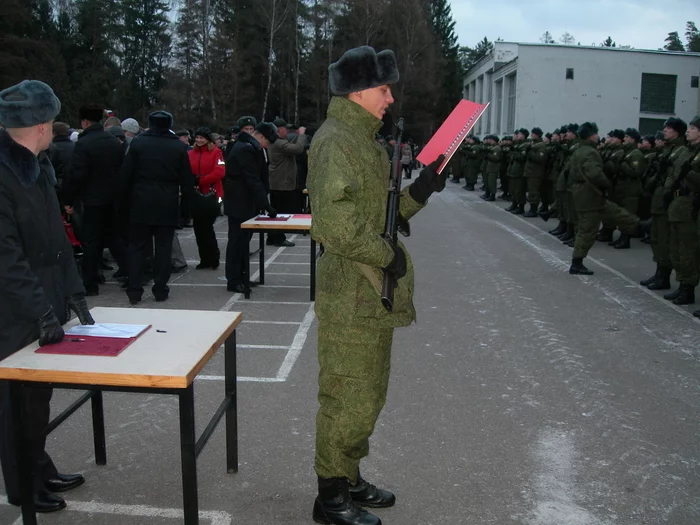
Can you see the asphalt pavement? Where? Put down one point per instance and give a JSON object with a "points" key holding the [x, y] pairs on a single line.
{"points": [[523, 395]]}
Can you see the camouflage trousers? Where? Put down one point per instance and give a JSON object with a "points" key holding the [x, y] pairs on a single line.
{"points": [[683, 248], [471, 174], [660, 241], [571, 214], [517, 189], [355, 362], [628, 202], [492, 182], [589, 222], [534, 190]]}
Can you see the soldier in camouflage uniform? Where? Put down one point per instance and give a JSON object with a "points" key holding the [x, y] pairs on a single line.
{"points": [[518, 157], [660, 229], [494, 157], [692, 177], [588, 185], [534, 171], [569, 236], [454, 166], [683, 238], [628, 187], [347, 184], [555, 164], [646, 146], [611, 155], [503, 175], [473, 163]]}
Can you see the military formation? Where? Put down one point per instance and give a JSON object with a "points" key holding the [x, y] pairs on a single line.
{"points": [[647, 187]]}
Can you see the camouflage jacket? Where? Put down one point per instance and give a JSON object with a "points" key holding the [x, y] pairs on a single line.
{"points": [[631, 171], [681, 207], [536, 160], [494, 156], [347, 182], [667, 159], [588, 181]]}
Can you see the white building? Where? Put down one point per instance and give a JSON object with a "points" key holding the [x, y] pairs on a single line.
{"points": [[548, 85]]}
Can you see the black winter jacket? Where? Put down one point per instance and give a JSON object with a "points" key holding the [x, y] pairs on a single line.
{"points": [[155, 171], [247, 180], [37, 268], [97, 158], [61, 156]]}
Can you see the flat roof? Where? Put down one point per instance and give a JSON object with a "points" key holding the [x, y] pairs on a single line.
{"points": [[605, 48]]}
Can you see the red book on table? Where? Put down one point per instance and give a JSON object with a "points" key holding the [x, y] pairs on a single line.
{"points": [[452, 132], [89, 345]]}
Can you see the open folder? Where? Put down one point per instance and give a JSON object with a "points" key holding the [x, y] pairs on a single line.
{"points": [[452, 132]]}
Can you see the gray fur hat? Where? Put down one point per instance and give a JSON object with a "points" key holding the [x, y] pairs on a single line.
{"points": [[362, 68], [28, 104], [587, 130]]}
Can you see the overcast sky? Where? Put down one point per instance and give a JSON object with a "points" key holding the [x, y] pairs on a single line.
{"points": [[640, 24]]}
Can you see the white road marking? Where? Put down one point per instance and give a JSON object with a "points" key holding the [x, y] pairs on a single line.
{"points": [[271, 322], [210, 285], [297, 345], [285, 274], [251, 301], [215, 517], [294, 263], [263, 347], [242, 379]]}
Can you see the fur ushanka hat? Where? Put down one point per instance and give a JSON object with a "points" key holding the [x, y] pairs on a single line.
{"points": [[28, 104], [362, 68]]}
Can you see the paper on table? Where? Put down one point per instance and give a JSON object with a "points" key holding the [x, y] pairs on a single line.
{"points": [[119, 331]]}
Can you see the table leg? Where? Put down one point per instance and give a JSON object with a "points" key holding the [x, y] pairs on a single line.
{"points": [[189, 457], [262, 257], [246, 270], [230, 382], [24, 462], [313, 270], [98, 428]]}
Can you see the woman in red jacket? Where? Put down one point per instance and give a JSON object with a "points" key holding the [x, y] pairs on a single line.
{"points": [[207, 163]]}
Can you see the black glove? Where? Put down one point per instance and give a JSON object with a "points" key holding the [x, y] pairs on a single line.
{"points": [[271, 212], [77, 303], [428, 182], [50, 330], [397, 266]]}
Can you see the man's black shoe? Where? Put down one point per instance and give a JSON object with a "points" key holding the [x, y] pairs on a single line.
{"points": [[687, 295], [577, 268], [334, 506], [203, 266], [64, 482], [238, 288], [673, 295], [367, 495], [285, 243], [133, 299], [44, 501], [160, 297]]}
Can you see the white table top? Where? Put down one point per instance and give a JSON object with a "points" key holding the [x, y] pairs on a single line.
{"points": [[155, 360], [293, 223]]}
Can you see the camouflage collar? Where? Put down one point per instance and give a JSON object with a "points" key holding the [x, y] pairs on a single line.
{"points": [[354, 116]]}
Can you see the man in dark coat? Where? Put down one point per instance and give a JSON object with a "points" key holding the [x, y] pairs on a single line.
{"points": [[38, 277], [97, 158], [246, 185], [154, 173], [61, 153]]}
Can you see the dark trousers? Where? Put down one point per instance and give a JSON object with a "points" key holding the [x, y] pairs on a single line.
{"points": [[237, 249], [282, 202], [36, 413], [98, 232], [407, 172], [141, 237], [206, 239]]}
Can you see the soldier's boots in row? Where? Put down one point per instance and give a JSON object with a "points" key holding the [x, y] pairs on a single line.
{"points": [[488, 197], [577, 267], [685, 294], [662, 279], [623, 243], [505, 196], [469, 187], [559, 230], [604, 235], [455, 179], [517, 209], [340, 503], [568, 235], [532, 212]]}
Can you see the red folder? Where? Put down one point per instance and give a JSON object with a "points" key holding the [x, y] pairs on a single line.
{"points": [[97, 346], [452, 132]]}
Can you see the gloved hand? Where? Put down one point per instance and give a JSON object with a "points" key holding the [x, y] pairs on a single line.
{"points": [[271, 212], [428, 182], [397, 267], [50, 330], [77, 303]]}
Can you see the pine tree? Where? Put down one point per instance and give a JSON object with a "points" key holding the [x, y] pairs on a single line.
{"points": [[692, 36], [673, 42], [608, 42]]}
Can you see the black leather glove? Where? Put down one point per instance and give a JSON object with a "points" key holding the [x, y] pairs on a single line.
{"points": [[397, 267], [50, 329], [428, 182], [271, 212], [77, 303]]}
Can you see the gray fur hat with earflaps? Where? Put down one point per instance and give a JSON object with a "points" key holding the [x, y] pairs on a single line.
{"points": [[362, 68]]}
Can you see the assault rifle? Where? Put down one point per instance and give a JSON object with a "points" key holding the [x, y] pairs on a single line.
{"points": [[394, 222]]}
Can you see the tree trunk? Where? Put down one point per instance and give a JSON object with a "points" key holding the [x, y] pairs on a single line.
{"points": [[298, 66], [207, 59], [269, 56]]}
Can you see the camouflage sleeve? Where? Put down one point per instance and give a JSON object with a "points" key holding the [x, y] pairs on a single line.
{"points": [[337, 221], [592, 167], [408, 206]]}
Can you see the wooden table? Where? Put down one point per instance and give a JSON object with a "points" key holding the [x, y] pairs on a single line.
{"points": [[163, 360], [295, 223]]}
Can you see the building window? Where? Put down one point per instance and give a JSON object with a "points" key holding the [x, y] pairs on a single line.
{"points": [[693, 82], [499, 105], [649, 126], [512, 84], [658, 93], [569, 73]]}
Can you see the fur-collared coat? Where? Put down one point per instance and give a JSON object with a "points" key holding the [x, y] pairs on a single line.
{"points": [[37, 268]]}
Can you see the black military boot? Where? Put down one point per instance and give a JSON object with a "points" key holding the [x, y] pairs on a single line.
{"points": [[647, 282], [491, 198], [561, 228], [571, 242], [367, 495], [519, 210], [485, 196], [687, 295], [512, 207], [662, 281], [334, 505], [545, 214], [623, 243], [468, 187], [568, 235], [604, 235], [671, 296], [577, 267], [532, 212]]}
